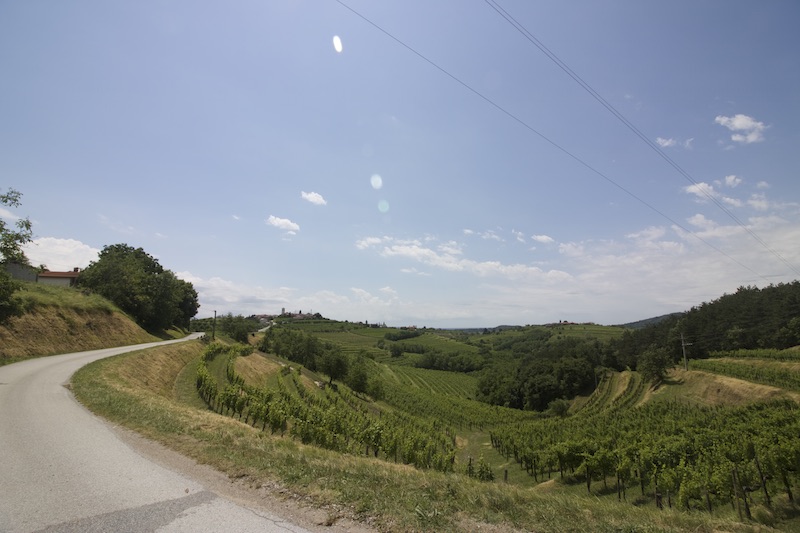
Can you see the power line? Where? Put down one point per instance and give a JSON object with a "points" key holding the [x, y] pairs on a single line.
{"points": [[657, 149], [544, 137]]}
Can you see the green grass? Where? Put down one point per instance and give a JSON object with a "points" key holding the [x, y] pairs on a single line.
{"points": [[33, 295]]}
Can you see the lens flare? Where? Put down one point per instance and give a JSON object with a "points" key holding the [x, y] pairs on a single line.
{"points": [[383, 206], [376, 181], [337, 44]]}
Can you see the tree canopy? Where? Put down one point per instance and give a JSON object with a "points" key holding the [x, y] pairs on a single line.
{"points": [[141, 287], [11, 240]]}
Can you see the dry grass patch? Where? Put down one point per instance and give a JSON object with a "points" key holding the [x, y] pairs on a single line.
{"points": [[256, 369], [48, 330], [156, 370], [710, 389]]}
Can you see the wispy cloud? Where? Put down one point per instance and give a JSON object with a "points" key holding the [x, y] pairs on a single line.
{"points": [[116, 226], [704, 191], [313, 197], [544, 239], [448, 258], [746, 130], [671, 143]]}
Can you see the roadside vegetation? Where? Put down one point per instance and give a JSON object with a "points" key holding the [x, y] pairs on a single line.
{"points": [[56, 320]]}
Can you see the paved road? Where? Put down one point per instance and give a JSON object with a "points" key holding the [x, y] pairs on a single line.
{"points": [[63, 469]]}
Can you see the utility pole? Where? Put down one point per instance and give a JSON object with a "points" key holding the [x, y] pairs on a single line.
{"points": [[684, 344], [214, 327]]}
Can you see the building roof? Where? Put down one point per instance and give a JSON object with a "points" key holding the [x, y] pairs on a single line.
{"points": [[70, 274]]}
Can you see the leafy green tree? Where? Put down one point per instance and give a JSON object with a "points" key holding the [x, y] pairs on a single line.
{"points": [[334, 363], [141, 287], [357, 375], [237, 327], [653, 364], [11, 241]]}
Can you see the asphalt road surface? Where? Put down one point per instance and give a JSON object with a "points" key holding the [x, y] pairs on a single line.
{"points": [[64, 469]]}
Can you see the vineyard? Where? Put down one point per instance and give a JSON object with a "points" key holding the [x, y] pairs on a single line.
{"points": [[673, 452], [326, 416], [625, 441]]}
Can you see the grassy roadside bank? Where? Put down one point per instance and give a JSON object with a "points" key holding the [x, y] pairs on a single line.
{"points": [[60, 320], [140, 390]]}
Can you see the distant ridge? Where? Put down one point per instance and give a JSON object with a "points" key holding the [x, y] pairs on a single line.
{"points": [[639, 324]]}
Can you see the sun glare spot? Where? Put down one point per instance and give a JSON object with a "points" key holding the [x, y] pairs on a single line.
{"points": [[383, 206], [376, 181], [337, 44]]}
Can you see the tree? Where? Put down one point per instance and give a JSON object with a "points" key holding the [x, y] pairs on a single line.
{"points": [[11, 241], [141, 287], [237, 327], [653, 364], [334, 363], [357, 375]]}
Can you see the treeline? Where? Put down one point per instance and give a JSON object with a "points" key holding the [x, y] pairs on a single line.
{"points": [[530, 369], [134, 280], [750, 318]]}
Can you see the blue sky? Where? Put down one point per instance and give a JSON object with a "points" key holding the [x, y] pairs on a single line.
{"points": [[412, 162]]}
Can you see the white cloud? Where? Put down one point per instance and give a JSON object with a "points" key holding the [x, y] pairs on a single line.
{"points": [[671, 142], [759, 201], [413, 270], [313, 197], [491, 235], [60, 254], [733, 202], [702, 190], [363, 244], [648, 234], [448, 258], [746, 129], [544, 239], [570, 249], [732, 181], [284, 224], [225, 296], [236, 217], [519, 235], [666, 143], [450, 247], [8, 215], [762, 185]]}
